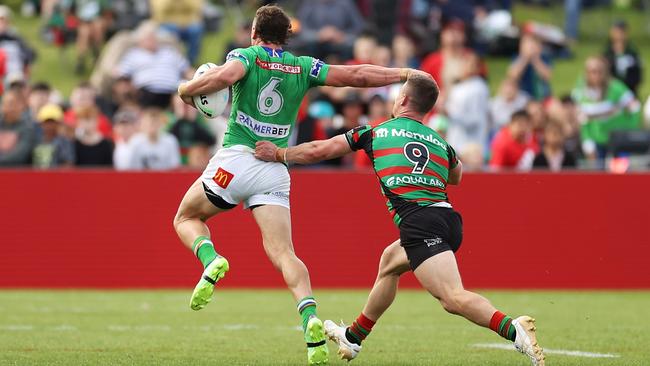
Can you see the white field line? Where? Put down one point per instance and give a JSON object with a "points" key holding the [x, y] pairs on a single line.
{"points": [[17, 327], [549, 351]]}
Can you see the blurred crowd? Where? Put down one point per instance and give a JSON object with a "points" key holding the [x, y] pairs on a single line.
{"points": [[127, 115]]}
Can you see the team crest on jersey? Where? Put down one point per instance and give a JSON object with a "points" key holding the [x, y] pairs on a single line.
{"points": [[222, 178], [316, 66]]}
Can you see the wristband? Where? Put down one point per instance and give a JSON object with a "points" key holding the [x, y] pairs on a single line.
{"points": [[281, 156], [181, 90], [404, 74]]}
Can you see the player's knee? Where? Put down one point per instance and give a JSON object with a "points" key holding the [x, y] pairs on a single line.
{"points": [[390, 262], [178, 219], [454, 301], [280, 254], [181, 217]]}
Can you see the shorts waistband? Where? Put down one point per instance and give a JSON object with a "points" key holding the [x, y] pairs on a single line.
{"points": [[441, 204], [240, 148]]}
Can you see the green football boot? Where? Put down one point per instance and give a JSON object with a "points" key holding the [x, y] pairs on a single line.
{"points": [[317, 351], [202, 294]]}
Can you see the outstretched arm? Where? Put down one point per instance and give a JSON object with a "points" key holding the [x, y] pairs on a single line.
{"points": [[213, 80], [364, 76], [307, 153]]}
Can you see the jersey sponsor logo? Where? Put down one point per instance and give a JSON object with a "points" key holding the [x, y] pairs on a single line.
{"points": [[316, 66], [276, 66], [236, 55], [417, 180], [383, 132], [222, 178], [261, 128]]}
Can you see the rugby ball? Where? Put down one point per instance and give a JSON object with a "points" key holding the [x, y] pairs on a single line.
{"points": [[210, 105]]}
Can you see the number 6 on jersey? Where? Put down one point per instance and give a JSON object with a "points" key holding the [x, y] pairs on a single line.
{"points": [[418, 154], [270, 101]]}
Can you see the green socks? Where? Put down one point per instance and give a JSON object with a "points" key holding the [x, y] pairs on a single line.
{"points": [[204, 250], [307, 310]]}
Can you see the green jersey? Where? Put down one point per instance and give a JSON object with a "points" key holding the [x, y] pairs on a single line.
{"points": [[266, 100], [411, 161], [616, 110]]}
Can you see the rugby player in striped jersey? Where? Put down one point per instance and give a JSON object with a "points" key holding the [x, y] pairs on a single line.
{"points": [[414, 165]]}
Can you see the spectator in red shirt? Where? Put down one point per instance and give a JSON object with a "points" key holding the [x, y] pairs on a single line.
{"points": [[514, 147], [446, 64], [82, 102]]}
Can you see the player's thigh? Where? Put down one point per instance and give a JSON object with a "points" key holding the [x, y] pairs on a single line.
{"points": [[274, 222], [428, 232], [270, 186], [195, 204], [439, 275], [393, 260]]}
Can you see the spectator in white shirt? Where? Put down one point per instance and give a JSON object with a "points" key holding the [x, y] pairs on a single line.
{"points": [[467, 107], [155, 69], [153, 148], [508, 100], [125, 126]]}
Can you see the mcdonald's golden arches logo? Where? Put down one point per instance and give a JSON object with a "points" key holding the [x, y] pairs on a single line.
{"points": [[222, 178]]}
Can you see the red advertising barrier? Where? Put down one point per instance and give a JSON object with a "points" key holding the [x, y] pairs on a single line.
{"points": [[114, 230]]}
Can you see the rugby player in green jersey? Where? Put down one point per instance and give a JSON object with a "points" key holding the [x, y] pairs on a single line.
{"points": [[414, 165], [268, 85]]}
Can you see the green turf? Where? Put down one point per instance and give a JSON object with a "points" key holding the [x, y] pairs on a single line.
{"points": [[259, 327]]}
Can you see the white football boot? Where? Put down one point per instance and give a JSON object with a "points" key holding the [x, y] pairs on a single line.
{"points": [[336, 333], [526, 341]]}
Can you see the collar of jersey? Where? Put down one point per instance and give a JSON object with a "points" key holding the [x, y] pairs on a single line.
{"points": [[273, 52]]}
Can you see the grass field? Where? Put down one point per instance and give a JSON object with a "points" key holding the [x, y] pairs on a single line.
{"points": [[259, 327]]}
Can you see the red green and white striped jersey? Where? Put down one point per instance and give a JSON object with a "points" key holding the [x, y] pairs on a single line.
{"points": [[411, 161]]}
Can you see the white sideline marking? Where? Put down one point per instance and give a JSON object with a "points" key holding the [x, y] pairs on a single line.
{"points": [[17, 327], [239, 326], [64, 328], [549, 351]]}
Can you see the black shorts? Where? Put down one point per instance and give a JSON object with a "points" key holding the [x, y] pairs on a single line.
{"points": [[216, 199], [430, 231]]}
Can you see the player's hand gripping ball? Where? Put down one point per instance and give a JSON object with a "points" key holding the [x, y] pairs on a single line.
{"points": [[210, 105]]}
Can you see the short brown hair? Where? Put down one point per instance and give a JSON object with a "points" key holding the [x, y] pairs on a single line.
{"points": [[272, 25], [422, 91], [519, 115]]}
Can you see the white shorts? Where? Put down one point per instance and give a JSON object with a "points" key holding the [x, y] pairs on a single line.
{"points": [[235, 175]]}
